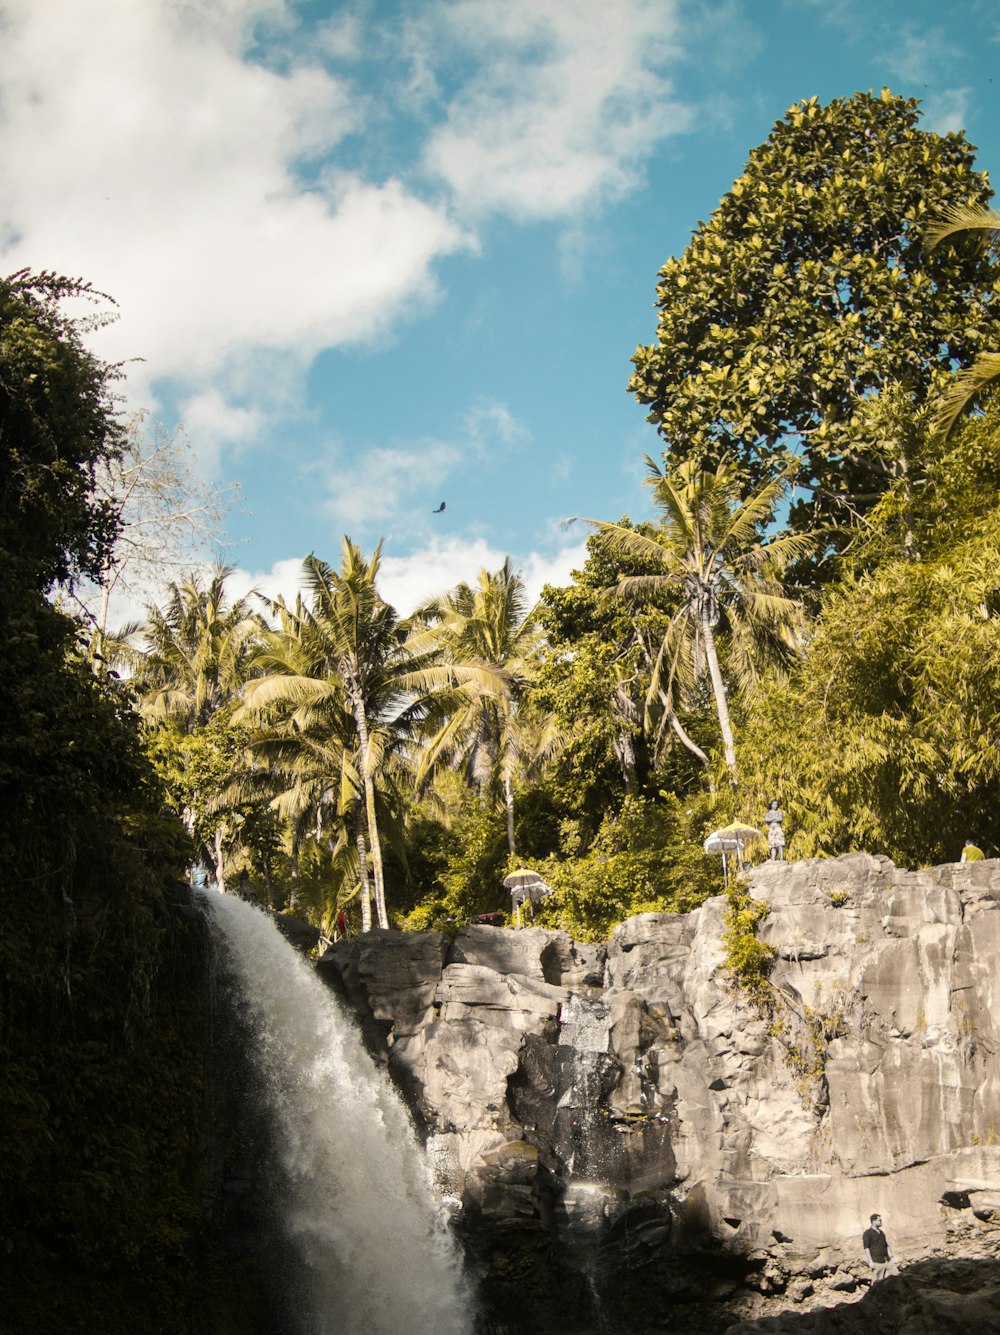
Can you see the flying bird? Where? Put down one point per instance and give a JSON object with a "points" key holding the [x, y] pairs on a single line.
{"points": [[439, 509]]}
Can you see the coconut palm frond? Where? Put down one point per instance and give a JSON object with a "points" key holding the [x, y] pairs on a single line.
{"points": [[965, 391], [965, 218]]}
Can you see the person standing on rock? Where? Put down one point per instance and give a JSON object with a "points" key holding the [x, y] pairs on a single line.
{"points": [[878, 1253], [773, 817]]}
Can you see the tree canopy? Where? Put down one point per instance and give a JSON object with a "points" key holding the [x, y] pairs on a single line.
{"points": [[811, 288], [57, 425]]}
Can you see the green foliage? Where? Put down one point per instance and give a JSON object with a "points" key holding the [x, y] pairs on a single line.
{"points": [[647, 858], [457, 867], [594, 678], [885, 738], [200, 769], [100, 1022], [810, 288], [748, 960], [56, 423], [709, 559]]}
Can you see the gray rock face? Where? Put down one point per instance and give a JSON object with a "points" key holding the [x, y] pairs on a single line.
{"points": [[621, 1128]]}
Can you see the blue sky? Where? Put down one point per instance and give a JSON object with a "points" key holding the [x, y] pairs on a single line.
{"points": [[378, 255]]}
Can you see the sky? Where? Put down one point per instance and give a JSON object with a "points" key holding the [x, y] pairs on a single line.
{"points": [[374, 256]]}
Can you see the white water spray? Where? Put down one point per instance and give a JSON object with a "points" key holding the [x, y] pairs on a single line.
{"points": [[358, 1199]]}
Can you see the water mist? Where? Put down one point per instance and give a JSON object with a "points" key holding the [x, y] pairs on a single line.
{"points": [[355, 1195]]}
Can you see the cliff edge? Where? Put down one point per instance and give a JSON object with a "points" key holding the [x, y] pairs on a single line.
{"points": [[620, 1130]]}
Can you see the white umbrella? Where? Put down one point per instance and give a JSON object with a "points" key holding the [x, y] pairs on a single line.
{"points": [[731, 839], [526, 887]]}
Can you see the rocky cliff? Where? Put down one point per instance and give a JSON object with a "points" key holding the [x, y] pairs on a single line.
{"points": [[625, 1137]]}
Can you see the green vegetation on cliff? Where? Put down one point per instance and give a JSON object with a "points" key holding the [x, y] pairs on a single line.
{"points": [[100, 1023]]}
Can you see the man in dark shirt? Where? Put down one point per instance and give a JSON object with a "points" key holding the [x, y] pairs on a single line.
{"points": [[878, 1253]]}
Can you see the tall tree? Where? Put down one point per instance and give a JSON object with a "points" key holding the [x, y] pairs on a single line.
{"points": [[57, 428], [353, 658], [708, 549], [197, 650], [491, 638], [305, 753], [809, 289], [165, 512], [889, 720], [194, 657]]}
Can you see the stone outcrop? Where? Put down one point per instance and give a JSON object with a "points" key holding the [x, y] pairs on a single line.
{"points": [[618, 1127]]}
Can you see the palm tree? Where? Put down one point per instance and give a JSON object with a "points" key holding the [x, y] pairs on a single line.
{"points": [[305, 745], [196, 651], [969, 384], [351, 666], [490, 639], [708, 553], [194, 657]]}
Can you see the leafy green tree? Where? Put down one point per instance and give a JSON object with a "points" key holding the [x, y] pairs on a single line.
{"points": [[809, 289], [594, 677], [100, 968], [884, 736], [708, 552], [57, 425], [647, 858]]}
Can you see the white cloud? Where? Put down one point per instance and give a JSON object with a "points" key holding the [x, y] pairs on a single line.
{"points": [[562, 104], [144, 149], [284, 580], [491, 423], [916, 56], [398, 485], [407, 581], [947, 112], [386, 483]]}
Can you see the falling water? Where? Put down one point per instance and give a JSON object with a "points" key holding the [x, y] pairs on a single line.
{"points": [[356, 1196]]}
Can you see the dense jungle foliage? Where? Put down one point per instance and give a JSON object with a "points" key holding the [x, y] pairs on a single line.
{"points": [[811, 614], [100, 1020]]}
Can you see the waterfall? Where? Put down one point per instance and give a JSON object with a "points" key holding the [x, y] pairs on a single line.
{"points": [[356, 1198]]}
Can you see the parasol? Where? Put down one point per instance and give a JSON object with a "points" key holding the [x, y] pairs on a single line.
{"points": [[526, 887], [731, 839]]}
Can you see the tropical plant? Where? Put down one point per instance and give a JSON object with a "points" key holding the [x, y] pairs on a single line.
{"points": [[351, 674], [195, 650], [489, 639], [194, 655], [708, 550], [969, 385], [884, 736]]}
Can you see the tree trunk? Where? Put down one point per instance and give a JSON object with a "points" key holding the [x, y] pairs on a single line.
{"points": [[220, 862], [508, 797], [293, 888], [361, 723], [687, 741], [366, 894], [719, 691], [624, 744]]}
